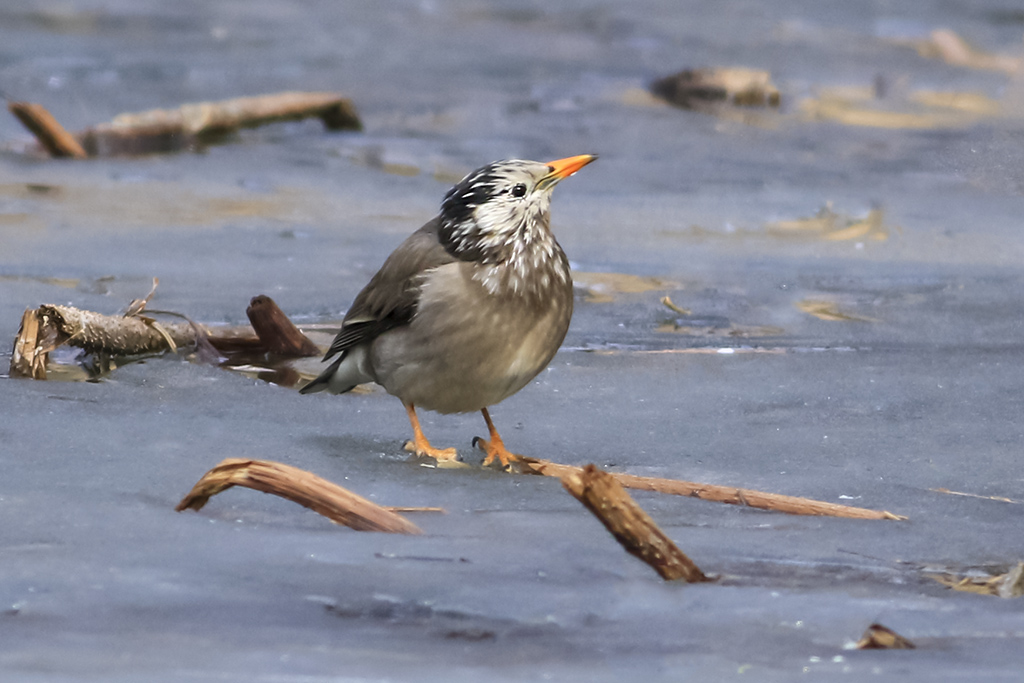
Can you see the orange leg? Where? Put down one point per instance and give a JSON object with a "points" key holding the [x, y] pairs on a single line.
{"points": [[494, 447], [419, 444]]}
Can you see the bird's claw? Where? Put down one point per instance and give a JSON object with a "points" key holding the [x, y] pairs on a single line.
{"points": [[496, 451], [444, 457]]}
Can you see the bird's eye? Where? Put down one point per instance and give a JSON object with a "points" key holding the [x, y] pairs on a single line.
{"points": [[519, 190]]}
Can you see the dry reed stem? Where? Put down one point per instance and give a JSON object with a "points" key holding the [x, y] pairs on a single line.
{"points": [[299, 486], [633, 528], [722, 494]]}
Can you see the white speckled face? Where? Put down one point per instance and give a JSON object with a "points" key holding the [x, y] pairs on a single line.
{"points": [[517, 209], [498, 216]]}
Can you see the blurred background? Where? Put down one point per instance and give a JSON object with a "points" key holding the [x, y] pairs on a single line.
{"points": [[844, 273]]}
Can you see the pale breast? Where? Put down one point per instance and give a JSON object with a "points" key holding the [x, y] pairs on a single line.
{"points": [[466, 348]]}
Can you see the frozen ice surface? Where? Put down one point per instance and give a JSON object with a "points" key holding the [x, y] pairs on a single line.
{"points": [[101, 580]]}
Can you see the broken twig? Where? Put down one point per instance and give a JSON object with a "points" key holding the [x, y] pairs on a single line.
{"points": [[174, 129], [114, 335], [878, 637], [169, 130], [278, 334], [998, 499], [630, 525], [52, 136], [28, 358], [299, 486], [135, 333], [670, 305], [722, 494], [1008, 585]]}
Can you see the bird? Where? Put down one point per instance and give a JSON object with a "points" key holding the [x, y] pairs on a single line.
{"points": [[468, 309]]}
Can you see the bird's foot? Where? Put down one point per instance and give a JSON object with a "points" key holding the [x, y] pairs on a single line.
{"points": [[445, 457], [495, 450]]}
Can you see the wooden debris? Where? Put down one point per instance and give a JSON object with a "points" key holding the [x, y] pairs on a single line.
{"points": [[832, 226], [415, 508], [135, 333], [278, 334], [336, 112], [50, 326], [28, 358], [998, 499], [110, 334], [175, 129], [829, 310], [1008, 585], [703, 88], [629, 524], [670, 305], [52, 136], [878, 637], [137, 306], [305, 488], [230, 339], [722, 494], [169, 130]]}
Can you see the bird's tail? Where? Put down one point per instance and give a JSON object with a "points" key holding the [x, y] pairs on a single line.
{"points": [[344, 374], [323, 380]]}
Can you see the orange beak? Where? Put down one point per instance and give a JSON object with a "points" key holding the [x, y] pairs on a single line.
{"points": [[563, 168]]}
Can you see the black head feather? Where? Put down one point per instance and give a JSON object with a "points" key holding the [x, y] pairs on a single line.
{"points": [[457, 210]]}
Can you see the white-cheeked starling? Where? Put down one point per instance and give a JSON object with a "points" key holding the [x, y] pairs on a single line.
{"points": [[468, 309]]}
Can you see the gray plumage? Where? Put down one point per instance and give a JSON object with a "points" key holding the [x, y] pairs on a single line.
{"points": [[470, 307]]}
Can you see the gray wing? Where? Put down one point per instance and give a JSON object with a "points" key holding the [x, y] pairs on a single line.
{"points": [[390, 299]]}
